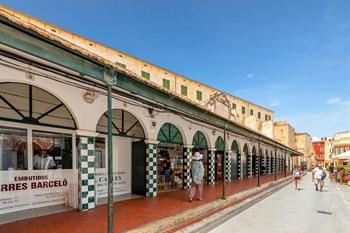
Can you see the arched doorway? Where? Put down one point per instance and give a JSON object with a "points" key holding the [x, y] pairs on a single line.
{"points": [[200, 142], [220, 147], [129, 155], [236, 162], [29, 114], [245, 161], [254, 162], [170, 158]]}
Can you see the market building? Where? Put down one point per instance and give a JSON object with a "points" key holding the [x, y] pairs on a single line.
{"points": [[53, 124]]}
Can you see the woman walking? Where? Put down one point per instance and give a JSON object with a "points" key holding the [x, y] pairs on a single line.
{"points": [[197, 170], [297, 177]]}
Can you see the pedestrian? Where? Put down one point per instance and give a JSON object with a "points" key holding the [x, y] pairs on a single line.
{"points": [[297, 177], [331, 171], [197, 171], [318, 176]]}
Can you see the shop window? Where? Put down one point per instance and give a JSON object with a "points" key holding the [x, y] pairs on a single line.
{"points": [[166, 83], [100, 153], [145, 75], [199, 96], [51, 151], [13, 149], [183, 90]]}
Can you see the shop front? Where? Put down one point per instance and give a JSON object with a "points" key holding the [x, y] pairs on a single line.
{"points": [[245, 161], [129, 155], [170, 159], [38, 153], [236, 161], [200, 142], [219, 159]]}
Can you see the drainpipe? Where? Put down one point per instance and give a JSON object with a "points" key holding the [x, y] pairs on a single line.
{"points": [[259, 161], [110, 80]]}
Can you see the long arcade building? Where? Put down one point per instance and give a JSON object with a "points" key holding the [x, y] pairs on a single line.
{"points": [[53, 129]]}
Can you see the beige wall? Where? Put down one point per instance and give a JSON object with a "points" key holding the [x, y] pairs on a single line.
{"points": [[284, 133], [304, 145]]}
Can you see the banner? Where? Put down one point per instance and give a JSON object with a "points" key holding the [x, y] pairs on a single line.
{"points": [[20, 190]]}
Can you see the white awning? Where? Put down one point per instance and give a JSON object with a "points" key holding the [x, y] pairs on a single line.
{"points": [[343, 156]]}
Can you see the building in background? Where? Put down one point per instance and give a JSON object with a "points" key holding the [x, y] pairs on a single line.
{"points": [[319, 147], [304, 145]]}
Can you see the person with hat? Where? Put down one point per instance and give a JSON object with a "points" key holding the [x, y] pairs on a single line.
{"points": [[197, 171]]}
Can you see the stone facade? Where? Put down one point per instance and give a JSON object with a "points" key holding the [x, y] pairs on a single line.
{"points": [[284, 133], [304, 145]]}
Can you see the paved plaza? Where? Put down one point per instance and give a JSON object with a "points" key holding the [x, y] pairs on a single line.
{"points": [[291, 211]]}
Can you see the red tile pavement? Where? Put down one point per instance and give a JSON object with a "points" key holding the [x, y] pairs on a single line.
{"points": [[127, 214]]}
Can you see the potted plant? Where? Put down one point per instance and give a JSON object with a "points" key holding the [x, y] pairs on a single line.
{"points": [[347, 173]]}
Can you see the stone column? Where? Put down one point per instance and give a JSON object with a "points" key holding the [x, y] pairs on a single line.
{"points": [[211, 167], [239, 166], [86, 150], [228, 167], [267, 165], [257, 159], [249, 165], [151, 169], [273, 164], [187, 164], [263, 164]]}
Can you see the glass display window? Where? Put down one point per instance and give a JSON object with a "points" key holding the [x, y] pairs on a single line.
{"points": [[13, 149], [51, 151], [100, 153], [170, 167]]}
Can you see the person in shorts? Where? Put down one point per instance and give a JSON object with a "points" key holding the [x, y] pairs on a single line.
{"points": [[318, 176], [297, 177]]}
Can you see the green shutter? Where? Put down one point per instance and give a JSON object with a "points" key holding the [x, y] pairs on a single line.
{"points": [[146, 75], [166, 83], [183, 90], [243, 110], [234, 106], [199, 140], [168, 133], [199, 96]]}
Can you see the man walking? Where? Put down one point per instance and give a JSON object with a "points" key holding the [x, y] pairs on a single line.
{"points": [[318, 176]]}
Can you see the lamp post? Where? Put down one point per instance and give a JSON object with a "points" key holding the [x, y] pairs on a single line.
{"points": [[110, 80]]}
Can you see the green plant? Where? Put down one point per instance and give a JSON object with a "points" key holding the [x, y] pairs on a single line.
{"points": [[347, 168]]}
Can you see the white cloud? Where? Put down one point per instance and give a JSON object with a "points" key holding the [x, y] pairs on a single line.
{"points": [[250, 75], [334, 100], [274, 104]]}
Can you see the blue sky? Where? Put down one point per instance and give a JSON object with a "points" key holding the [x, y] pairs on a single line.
{"points": [[290, 56]]}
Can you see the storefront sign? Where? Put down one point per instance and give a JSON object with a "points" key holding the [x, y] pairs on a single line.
{"points": [[20, 190], [120, 183]]}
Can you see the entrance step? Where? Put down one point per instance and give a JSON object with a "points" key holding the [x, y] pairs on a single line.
{"points": [[32, 213]]}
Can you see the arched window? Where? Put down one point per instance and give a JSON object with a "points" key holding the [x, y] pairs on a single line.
{"points": [[31, 105], [199, 140], [219, 144], [124, 124], [169, 133]]}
